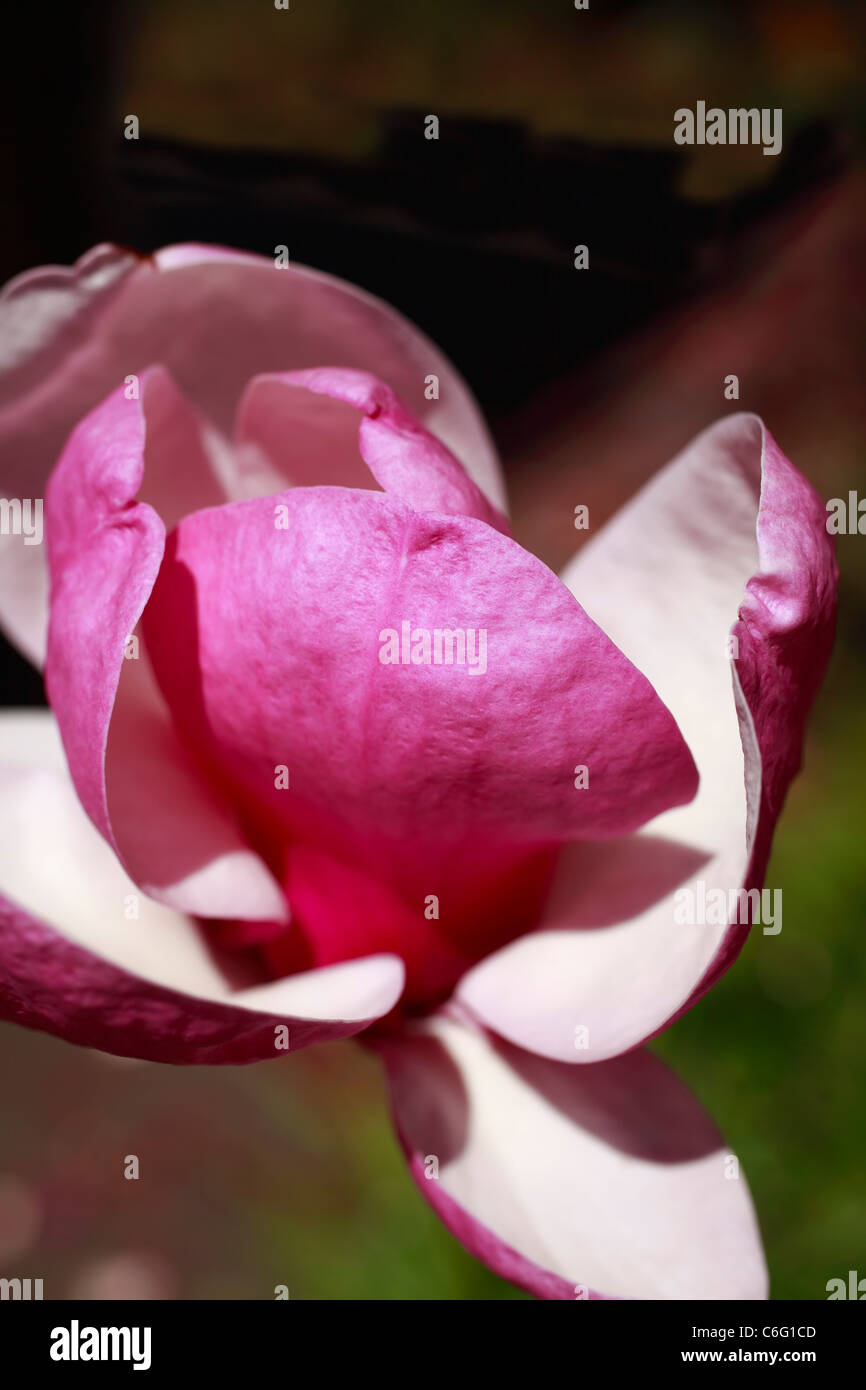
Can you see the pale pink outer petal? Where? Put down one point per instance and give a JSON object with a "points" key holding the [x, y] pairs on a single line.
{"points": [[728, 528], [24, 592], [216, 318], [306, 424], [87, 957], [608, 1181], [45, 315], [315, 318], [173, 833]]}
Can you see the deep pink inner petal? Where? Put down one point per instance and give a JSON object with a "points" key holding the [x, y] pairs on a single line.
{"points": [[406, 805]]}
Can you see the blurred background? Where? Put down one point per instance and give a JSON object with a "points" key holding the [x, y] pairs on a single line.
{"points": [[260, 127]]}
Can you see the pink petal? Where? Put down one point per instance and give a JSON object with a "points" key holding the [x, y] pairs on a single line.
{"points": [[267, 640], [41, 314], [666, 580], [305, 318], [174, 834], [306, 425], [607, 1181], [76, 962], [215, 318]]}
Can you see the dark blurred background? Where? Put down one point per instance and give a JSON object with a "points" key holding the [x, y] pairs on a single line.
{"points": [[304, 127]]}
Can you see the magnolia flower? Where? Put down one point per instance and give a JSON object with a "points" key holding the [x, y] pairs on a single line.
{"points": [[270, 806]]}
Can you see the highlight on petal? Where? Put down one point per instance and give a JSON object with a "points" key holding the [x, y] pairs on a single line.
{"points": [[172, 831], [215, 318], [42, 306], [87, 957], [607, 1181], [718, 581], [24, 587]]}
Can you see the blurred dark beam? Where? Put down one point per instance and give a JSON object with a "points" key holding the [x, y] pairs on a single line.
{"points": [[59, 124]]}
